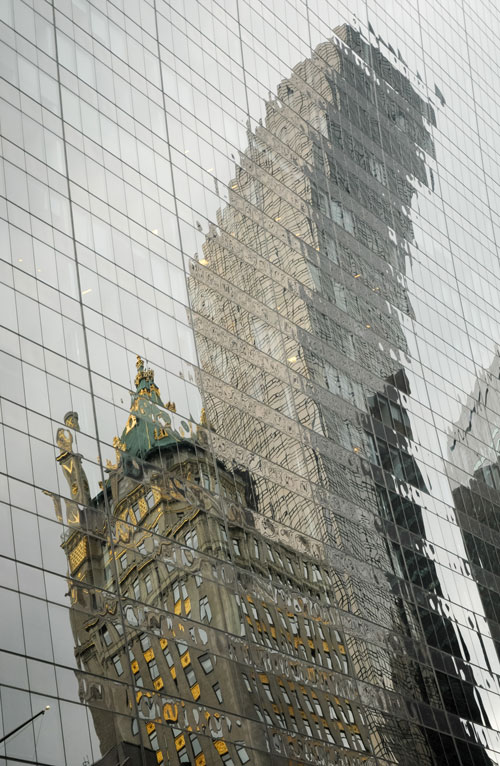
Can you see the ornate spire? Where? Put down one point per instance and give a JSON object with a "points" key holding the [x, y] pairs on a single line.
{"points": [[72, 468], [147, 376], [71, 420]]}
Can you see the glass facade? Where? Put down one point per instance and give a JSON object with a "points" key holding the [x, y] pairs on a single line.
{"points": [[249, 383]]}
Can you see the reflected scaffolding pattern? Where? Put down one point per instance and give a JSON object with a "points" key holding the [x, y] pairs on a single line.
{"points": [[250, 398]]}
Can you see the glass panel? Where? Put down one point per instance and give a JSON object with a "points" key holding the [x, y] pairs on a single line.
{"points": [[249, 396]]}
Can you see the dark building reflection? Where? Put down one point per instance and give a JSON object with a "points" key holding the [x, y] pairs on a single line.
{"points": [[446, 680], [474, 473], [475, 481], [478, 504]]}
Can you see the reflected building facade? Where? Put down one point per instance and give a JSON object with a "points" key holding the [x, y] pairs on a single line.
{"points": [[475, 483], [200, 646], [271, 563], [445, 678], [322, 198]]}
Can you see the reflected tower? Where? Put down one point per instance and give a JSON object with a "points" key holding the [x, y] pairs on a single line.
{"points": [[191, 654], [300, 307], [474, 474], [296, 300]]}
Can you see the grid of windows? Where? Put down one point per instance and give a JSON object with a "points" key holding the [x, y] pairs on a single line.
{"points": [[249, 382]]}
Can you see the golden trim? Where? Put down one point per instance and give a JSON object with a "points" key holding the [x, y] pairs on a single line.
{"points": [[170, 712], [195, 691], [220, 746], [131, 423]]}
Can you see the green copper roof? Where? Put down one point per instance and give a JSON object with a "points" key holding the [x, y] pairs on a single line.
{"points": [[151, 424]]}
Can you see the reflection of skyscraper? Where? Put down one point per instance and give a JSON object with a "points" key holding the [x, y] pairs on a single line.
{"points": [[321, 199], [477, 505], [474, 473], [289, 314], [446, 678]]}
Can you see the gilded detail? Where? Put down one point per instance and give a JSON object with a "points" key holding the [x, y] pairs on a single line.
{"points": [[78, 554], [131, 423], [119, 449], [161, 433]]}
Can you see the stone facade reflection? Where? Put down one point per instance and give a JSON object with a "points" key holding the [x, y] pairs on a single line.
{"points": [[211, 658]]}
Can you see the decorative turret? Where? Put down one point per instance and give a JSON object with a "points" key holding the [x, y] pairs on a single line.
{"points": [[144, 381], [150, 424], [71, 464]]}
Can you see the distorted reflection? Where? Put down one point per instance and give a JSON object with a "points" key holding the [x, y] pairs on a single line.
{"points": [[323, 197], [259, 582], [166, 634]]}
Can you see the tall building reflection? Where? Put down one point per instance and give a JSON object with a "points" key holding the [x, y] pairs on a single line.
{"points": [[446, 677], [317, 233], [474, 474], [253, 584]]}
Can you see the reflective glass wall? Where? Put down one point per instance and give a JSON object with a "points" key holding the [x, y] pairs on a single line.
{"points": [[249, 381]]}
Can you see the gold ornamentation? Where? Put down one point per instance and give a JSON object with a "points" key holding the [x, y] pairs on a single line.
{"points": [[180, 742], [220, 746], [143, 374], [170, 712], [119, 448], [71, 420], [78, 554], [153, 388], [161, 433], [195, 691], [68, 466], [64, 440], [131, 423], [122, 531], [204, 423]]}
